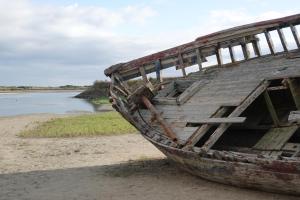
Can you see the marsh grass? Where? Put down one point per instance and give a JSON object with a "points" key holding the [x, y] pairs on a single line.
{"points": [[108, 123], [100, 101]]}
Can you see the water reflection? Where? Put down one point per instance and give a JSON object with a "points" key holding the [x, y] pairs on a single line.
{"points": [[54, 102]]}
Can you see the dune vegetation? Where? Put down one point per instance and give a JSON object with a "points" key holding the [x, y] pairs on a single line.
{"points": [[108, 123]]}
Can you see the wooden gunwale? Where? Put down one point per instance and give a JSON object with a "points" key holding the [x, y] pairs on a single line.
{"points": [[207, 44]]}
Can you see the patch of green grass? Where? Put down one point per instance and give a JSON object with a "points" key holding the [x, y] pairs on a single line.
{"points": [[99, 101], [109, 123]]}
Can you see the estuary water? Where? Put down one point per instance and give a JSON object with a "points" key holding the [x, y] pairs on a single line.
{"points": [[43, 102]]}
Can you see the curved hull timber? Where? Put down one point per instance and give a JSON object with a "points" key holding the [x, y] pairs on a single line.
{"points": [[271, 175], [237, 122]]}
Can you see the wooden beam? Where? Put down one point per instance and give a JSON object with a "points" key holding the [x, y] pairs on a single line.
{"points": [[296, 35], [167, 129], [219, 120], [281, 87], [239, 110], [181, 64], [294, 86], [188, 93], [200, 132], [271, 108], [294, 116], [144, 76], [270, 42], [275, 138], [282, 39], [246, 51], [219, 56], [122, 83], [256, 47], [199, 59], [232, 53], [158, 71]]}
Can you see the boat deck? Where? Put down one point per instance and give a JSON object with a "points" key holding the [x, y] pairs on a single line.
{"points": [[218, 88]]}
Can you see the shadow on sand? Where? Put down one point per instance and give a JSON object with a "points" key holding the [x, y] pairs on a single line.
{"points": [[142, 179]]}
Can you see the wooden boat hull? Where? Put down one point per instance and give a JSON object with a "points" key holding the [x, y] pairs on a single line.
{"points": [[279, 177], [236, 123]]}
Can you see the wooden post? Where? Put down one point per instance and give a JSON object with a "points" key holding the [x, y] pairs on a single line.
{"points": [[296, 35], [282, 39], [199, 60], [168, 131], [158, 71], [181, 64], [232, 53], [295, 90], [271, 108], [256, 47], [143, 73], [246, 52], [219, 56], [270, 42]]}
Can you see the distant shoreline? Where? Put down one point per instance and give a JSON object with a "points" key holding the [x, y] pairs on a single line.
{"points": [[40, 90]]}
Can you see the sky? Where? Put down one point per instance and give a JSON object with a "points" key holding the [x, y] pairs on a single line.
{"points": [[60, 42]]}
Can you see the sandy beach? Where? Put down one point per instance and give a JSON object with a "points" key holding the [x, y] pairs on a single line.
{"points": [[111, 167]]}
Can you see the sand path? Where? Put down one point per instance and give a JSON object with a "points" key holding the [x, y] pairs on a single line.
{"points": [[115, 167]]}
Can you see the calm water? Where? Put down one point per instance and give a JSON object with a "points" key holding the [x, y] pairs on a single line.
{"points": [[28, 103]]}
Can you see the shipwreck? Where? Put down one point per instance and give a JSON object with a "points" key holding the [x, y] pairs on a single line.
{"points": [[233, 114]]}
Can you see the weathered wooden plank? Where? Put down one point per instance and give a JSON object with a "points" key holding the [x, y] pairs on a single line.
{"points": [[271, 108], [181, 65], [282, 39], [184, 133], [219, 120], [144, 75], [275, 138], [270, 42], [294, 116], [219, 56], [166, 90], [295, 35], [122, 83], [199, 59], [158, 71], [223, 127], [232, 54], [200, 132], [277, 88], [245, 50], [167, 129], [189, 92], [256, 48], [291, 147], [294, 86]]}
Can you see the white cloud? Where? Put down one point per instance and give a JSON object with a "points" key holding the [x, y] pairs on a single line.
{"points": [[37, 38], [79, 41]]}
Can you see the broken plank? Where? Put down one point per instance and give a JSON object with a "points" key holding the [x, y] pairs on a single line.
{"points": [[189, 92], [200, 132], [220, 120], [275, 138], [223, 127], [271, 108]]}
